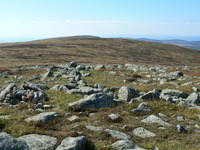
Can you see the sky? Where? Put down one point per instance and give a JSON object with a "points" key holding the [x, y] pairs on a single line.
{"points": [[29, 19]]}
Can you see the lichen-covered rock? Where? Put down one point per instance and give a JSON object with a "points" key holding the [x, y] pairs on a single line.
{"points": [[143, 132], [43, 117], [118, 134], [73, 143], [97, 101], [155, 119], [7, 142], [127, 93], [39, 142]]}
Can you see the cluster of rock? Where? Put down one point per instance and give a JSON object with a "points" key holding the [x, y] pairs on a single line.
{"points": [[12, 94], [40, 142]]}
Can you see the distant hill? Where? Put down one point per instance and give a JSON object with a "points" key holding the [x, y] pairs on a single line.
{"points": [[188, 44], [91, 49]]}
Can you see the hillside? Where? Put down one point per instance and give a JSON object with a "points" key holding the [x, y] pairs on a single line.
{"points": [[89, 49], [187, 44]]}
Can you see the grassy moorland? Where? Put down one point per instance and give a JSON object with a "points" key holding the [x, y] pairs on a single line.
{"points": [[12, 118], [88, 49]]}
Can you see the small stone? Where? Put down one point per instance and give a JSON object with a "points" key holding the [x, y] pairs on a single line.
{"points": [[155, 119], [118, 134], [181, 129], [93, 128], [115, 117], [74, 118], [143, 132]]}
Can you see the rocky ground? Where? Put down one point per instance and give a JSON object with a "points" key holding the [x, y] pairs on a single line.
{"points": [[105, 107]]}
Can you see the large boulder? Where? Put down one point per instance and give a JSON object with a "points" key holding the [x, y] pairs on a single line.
{"points": [[127, 93], [43, 117], [96, 101], [39, 142], [7, 142], [73, 143]]}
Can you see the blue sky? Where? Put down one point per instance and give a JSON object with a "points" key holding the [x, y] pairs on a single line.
{"points": [[54, 18]]}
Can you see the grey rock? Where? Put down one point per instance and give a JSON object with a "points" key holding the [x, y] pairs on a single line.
{"points": [[181, 129], [39, 106], [71, 85], [7, 142], [73, 143], [143, 107], [43, 117], [155, 119], [73, 64], [118, 134], [6, 90], [151, 95], [171, 92], [127, 93], [125, 145], [88, 74], [74, 118], [94, 128], [99, 66], [193, 98], [97, 101], [89, 90], [115, 117], [31, 86], [141, 132], [39, 142]]}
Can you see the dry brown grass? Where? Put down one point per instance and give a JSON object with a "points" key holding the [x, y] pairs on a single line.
{"points": [[94, 50]]}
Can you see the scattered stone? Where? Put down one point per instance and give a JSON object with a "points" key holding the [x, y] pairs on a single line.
{"points": [[93, 128], [43, 117], [39, 142], [100, 66], [74, 118], [39, 106], [73, 64], [73, 143], [155, 119], [127, 93], [125, 145], [118, 134], [141, 132], [31, 86]]}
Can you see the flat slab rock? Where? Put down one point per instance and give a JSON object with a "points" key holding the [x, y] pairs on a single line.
{"points": [[125, 145], [43, 117], [118, 134], [39, 142], [141, 132], [7, 142], [155, 119], [94, 128], [72, 143]]}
